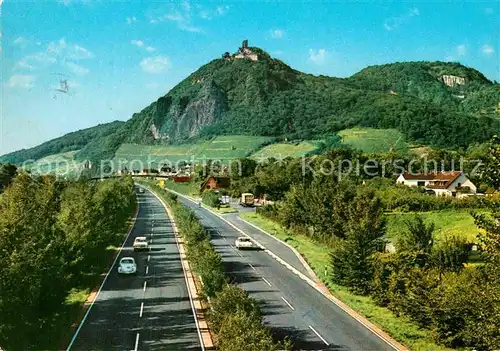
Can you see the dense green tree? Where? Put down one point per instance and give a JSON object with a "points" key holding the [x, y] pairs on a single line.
{"points": [[352, 258], [7, 173]]}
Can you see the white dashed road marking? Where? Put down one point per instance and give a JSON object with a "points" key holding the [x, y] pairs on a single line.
{"points": [[144, 289], [319, 336], [136, 342], [251, 266], [147, 270], [265, 280], [288, 303], [142, 308]]}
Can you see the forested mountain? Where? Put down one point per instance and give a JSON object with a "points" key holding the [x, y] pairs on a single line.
{"points": [[267, 97], [68, 142]]}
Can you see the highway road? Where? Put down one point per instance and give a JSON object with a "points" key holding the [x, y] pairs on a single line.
{"points": [[147, 311], [290, 305]]}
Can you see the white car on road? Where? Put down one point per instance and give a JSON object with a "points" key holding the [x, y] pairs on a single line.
{"points": [[243, 243], [127, 266], [140, 243]]}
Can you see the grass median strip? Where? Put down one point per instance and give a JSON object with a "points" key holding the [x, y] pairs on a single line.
{"points": [[319, 258]]}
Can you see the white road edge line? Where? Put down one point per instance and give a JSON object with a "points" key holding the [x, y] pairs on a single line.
{"points": [[288, 303], [265, 280], [319, 336], [367, 325], [136, 342], [252, 266], [142, 309], [144, 288], [103, 281]]}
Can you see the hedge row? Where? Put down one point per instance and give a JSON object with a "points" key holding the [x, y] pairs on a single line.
{"points": [[235, 318]]}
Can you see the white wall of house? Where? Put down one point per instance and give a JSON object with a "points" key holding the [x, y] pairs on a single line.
{"points": [[464, 182], [410, 182]]}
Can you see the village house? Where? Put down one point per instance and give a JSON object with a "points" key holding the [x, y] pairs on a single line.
{"points": [[454, 183], [214, 182]]}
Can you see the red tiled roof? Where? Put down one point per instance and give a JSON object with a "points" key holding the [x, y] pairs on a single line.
{"points": [[442, 179]]}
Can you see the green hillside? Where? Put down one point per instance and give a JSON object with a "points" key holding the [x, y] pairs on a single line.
{"points": [[69, 142], [269, 98]]}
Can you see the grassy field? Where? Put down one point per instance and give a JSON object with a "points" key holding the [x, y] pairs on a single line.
{"points": [[219, 148], [374, 140], [191, 188], [283, 150], [318, 257], [447, 223]]}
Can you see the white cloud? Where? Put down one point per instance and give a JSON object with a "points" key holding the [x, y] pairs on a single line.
{"points": [[20, 41], [317, 56], [181, 15], [23, 64], [131, 20], [138, 43], [41, 57], [395, 22], [77, 52], [77, 69], [21, 81], [141, 44], [487, 50], [156, 64], [277, 33], [153, 85], [278, 52], [73, 52], [56, 47], [222, 10], [461, 50], [488, 11]]}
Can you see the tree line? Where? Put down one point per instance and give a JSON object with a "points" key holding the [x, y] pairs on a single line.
{"points": [[54, 238], [426, 281], [234, 317]]}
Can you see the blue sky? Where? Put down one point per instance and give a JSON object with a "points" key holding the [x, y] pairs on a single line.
{"points": [[119, 56]]}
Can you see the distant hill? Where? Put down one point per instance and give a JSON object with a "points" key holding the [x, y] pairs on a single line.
{"points": [[70, 142], [431, 103]]}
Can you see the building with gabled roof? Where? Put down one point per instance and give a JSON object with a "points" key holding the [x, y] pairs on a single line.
{"points": [[454, 183]]}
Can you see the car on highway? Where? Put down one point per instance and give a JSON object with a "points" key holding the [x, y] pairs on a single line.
{"points": [[243, 243], [140, 243], [141, 190], [127, 266]]}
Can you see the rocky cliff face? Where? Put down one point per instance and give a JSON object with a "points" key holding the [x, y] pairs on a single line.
{"points": [[187, 118]]}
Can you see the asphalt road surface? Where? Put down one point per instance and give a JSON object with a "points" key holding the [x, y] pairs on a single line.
{"points": [[150, 310], [290, 305]]}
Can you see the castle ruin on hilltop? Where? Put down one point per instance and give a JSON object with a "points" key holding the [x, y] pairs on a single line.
{"points": [[243, 53]]}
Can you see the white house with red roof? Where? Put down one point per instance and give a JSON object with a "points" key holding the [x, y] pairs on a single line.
{"points": [[453, 183]]}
